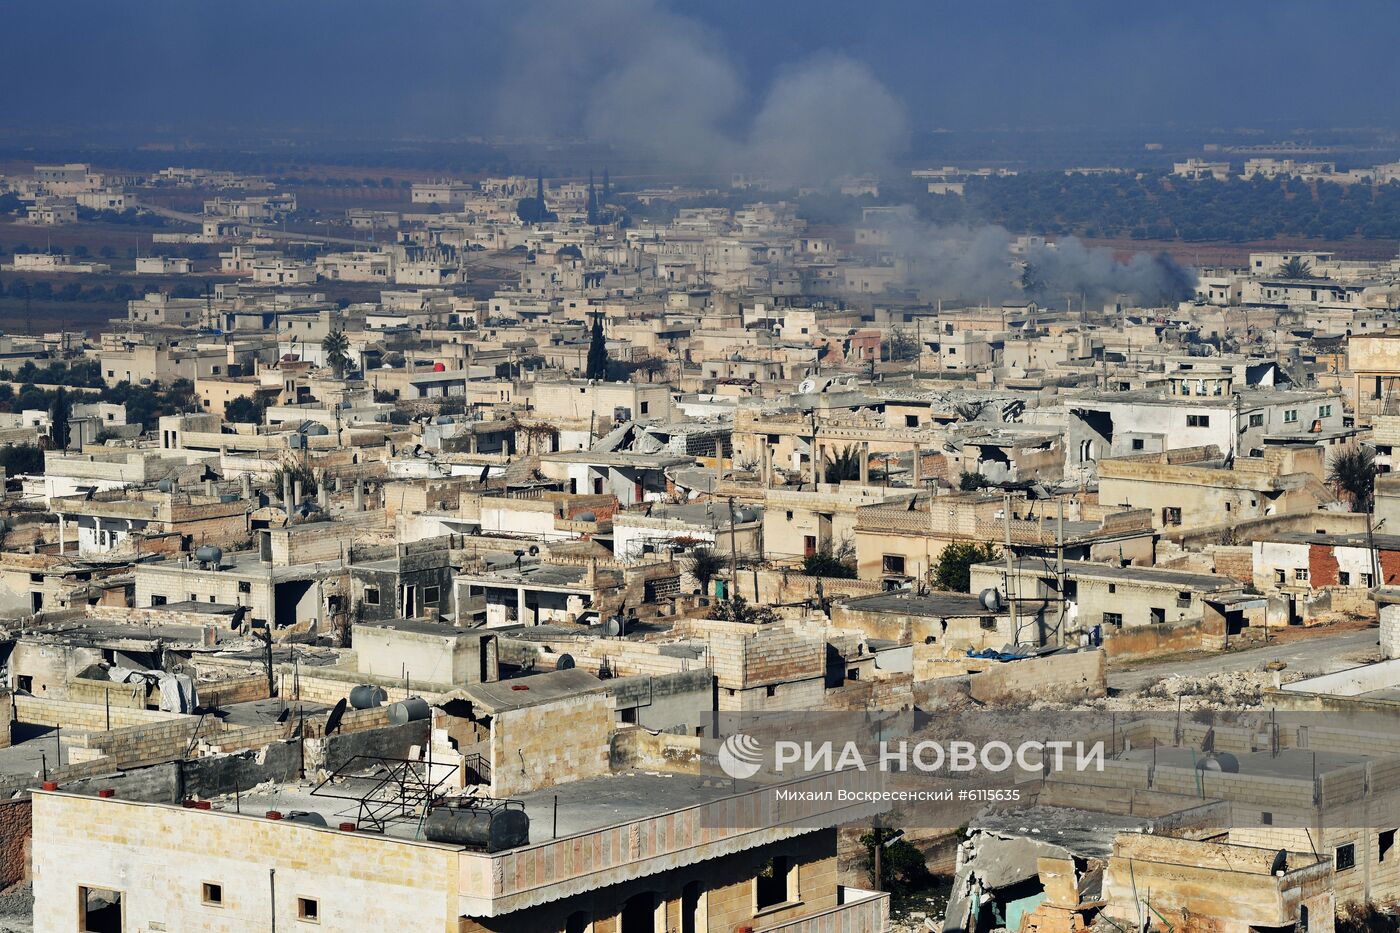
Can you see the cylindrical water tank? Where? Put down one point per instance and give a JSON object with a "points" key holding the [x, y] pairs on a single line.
{"points": [[208, 554], [367, 696], [410, 710], [492, 829]]}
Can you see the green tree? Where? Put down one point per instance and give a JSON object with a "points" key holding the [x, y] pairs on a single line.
{"points": [[824, 562], [244, 410], [59, 414], [901, 346], [903, 869], [597, 351], [953, 571], [737, 609], [969, 482], [1353, 473], [844, 466], [21, 459], [1296, 268], [335, 346]]}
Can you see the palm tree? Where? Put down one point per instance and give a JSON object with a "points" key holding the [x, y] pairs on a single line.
{"points": [[704, 565], [846, 465], [1353, 472], [335, 346], [1295, 268]]}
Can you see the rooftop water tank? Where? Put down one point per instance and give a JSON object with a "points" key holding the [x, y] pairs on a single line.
{"points": [[367, 696], [410, 710], [494, 827], [208, 554]]}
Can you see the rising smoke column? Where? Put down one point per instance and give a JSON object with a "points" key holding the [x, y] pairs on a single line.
{"points": [[649, 81]]}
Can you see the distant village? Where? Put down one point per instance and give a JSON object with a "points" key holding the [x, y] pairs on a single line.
{"points": [[414, 563]]}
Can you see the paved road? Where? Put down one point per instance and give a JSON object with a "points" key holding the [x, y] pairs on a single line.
{"points": [[272, 233], [1320, 654]]}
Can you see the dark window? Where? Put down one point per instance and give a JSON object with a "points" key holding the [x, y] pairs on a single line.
{"points": [[99, 910], [1387, 843], [308, 908], [771, 690], [893, 563], [372, 596], [772, 883], [911, 421], [1114, 619], [1198, 421], [1158, 616], [245, 586], [212, 894], [431, 595], [157, 600], [1266, 818], [1346, 857], [1138, 443]]}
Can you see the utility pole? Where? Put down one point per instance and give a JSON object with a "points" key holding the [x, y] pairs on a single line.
{"points": [[1060, 567], [1006, 553], [733, 554]]}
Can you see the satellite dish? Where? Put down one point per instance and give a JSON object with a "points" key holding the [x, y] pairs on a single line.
{"points": [[236, 620], [534, 550], [282, 716], [991, 599], [333, 720], [807, 386], [565, 663]]}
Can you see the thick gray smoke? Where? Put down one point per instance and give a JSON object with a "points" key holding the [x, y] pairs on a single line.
{"points": [[983, 264], [656, 84]]}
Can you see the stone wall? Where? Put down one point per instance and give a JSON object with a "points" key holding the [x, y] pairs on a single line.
{"points": [[14, 841], [1076, 675], [1164, 638], [552, 743]]}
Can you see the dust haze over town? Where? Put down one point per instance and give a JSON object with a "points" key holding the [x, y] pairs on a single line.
{"points": [[634, 466]]}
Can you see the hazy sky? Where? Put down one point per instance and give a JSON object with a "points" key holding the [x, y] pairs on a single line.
{"points": [[446, 68]]}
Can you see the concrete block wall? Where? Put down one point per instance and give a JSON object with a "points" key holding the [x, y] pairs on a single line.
{"points": [[1390, 631], [67, 714], [1079, 674], [105, 692], [218, 693], [770, 655]]}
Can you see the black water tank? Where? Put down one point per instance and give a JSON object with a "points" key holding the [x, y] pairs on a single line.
{"points": [[491, 828]]}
